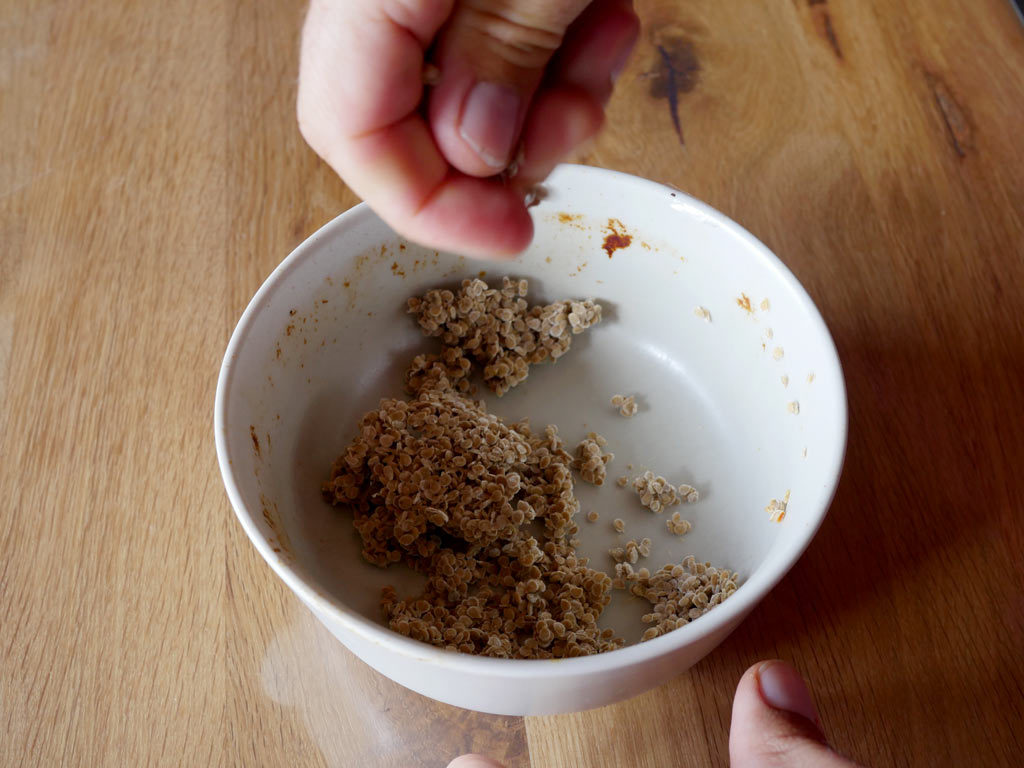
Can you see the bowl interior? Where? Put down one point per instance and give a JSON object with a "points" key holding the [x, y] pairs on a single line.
{"points": [[328, 336]]}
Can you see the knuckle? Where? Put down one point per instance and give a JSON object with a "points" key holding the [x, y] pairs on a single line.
{"points": [[517, 42], [418, 16]]}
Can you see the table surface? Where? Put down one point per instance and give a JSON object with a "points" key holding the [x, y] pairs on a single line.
{"points": [[151, 176]]}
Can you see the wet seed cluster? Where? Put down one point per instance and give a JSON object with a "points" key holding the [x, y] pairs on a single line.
{"points": [[449, 489], [678, 593], [495, 328]]}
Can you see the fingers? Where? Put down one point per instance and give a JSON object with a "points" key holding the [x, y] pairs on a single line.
{"points": [[473, 761], [569, 109], [562, 118], [492, 56], [361, 62], [775, 723], [597, 47], [360, 89], [360, 86]]}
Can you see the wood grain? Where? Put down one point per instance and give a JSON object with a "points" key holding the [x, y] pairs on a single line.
{"points": [[151, 175]]}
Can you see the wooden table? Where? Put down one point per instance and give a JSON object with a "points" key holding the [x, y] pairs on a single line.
{"points": [[151, 175]]}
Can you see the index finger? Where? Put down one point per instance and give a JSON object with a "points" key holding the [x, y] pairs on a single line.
{"points": [[360, 88]]}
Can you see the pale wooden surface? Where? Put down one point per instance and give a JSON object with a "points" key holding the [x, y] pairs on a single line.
{"points": [[151, 175]]}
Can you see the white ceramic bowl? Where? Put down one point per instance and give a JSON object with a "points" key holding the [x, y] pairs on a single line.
{"points": [[327, 335]]}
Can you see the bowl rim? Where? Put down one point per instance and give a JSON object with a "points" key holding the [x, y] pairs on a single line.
{"points": [[750, 591]]}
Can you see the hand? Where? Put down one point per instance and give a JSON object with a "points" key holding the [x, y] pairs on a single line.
{"points": [[774, 725], [518, 82]]}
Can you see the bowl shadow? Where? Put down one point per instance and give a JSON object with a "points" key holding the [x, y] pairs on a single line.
{"points": [[897, 606]]}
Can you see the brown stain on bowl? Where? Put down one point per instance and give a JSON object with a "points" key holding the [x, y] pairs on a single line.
{"points": [[566, 219], [271, 518], [616, 238], [743, 302], [255, 440], [361, 265]]}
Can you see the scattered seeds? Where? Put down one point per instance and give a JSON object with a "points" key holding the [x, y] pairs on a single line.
{"points": [[793, 407], [765, 305], [702, 313], [626, 404], [778, 353], [688, 494], [622, 481], [656, 493], [677, 525], [618, 525], [678, 593], [533, 196], [431, 74], [631, 551], [777, 509]]}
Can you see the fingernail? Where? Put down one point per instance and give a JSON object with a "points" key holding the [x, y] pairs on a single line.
{"points": [[621, 58], [782, 688], [488, 123]]}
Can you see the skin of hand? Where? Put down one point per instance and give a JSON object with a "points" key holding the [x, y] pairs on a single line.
{"points": [[516, 83], [774, 724]]}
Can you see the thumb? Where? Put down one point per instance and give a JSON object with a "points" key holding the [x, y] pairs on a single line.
{"points": [[491, 57], [775, 723]]}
